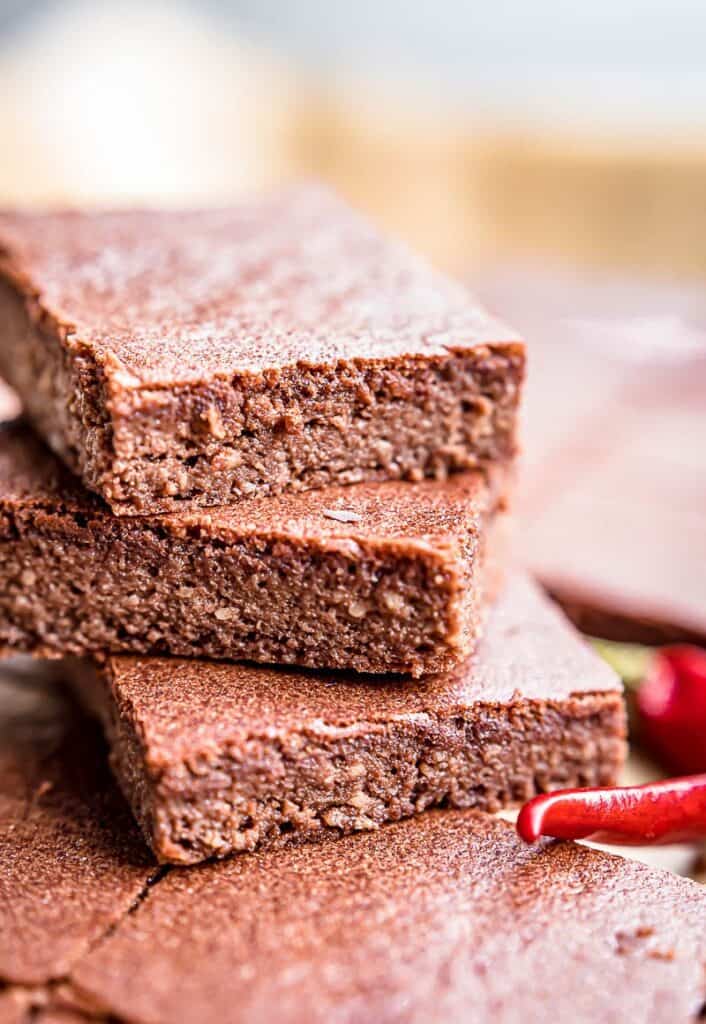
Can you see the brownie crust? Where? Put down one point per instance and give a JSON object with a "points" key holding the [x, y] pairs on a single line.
{"points": [[215, 758], [386, 577], [284, 345]]}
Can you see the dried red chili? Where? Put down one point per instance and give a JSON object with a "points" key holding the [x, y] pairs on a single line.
{"points": [[671, 704], [671, 811]]}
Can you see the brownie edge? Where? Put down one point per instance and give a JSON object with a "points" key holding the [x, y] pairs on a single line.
{"points": [[384, 577], [181, 359], [217, 758], [450, 918]]}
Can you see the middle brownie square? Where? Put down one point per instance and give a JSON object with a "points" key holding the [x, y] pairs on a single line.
{"points": [[376, 577]]}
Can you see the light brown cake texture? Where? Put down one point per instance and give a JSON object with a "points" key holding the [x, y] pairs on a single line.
{"points": [[446, 917], [202, 357], [381, 577], [215, 758]]}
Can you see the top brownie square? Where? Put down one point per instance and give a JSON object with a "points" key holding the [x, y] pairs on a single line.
{"points": [[197, 357]]}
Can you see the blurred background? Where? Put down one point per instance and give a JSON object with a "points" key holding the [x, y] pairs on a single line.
{"points": [[482, 132]]}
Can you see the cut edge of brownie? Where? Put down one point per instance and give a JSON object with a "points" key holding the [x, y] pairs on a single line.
{"points": [[60, 382], [268, 789], [77, 580], [148, 448], [425, 619]]}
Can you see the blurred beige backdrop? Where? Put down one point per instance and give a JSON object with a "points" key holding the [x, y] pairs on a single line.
{"points": [[163, 102]]}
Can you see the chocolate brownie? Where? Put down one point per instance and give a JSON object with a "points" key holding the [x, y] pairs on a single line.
{"points": [[71, 859], [612, 498], [446, 918], [217, 757], [202, 357], [385, 576]]}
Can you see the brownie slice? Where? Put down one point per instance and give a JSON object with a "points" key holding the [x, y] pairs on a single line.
{"points": [[618, 534], [447, 918], [282, 345], [215, 757], [381, 577]]}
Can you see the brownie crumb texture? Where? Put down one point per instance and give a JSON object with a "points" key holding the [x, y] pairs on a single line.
{"points": [[384, 577], [203, 358], [220, 757]]}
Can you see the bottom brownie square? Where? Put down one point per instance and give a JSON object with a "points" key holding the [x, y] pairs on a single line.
{"points": [[217, 757]]}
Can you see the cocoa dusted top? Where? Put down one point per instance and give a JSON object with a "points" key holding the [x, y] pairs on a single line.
{"points": [[448, 917], [165, 298], [528, 652], [427, 512]]}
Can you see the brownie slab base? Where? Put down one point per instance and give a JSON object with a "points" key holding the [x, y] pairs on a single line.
{"points": [[215, 758], [447, 918], [378, 577], [199, 358]]}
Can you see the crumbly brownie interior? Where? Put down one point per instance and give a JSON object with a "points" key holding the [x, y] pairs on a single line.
{"points": [[344, 780], [221, 441], [215, 441], [68, 589], [61, 387], [381, 577], [216, 757]]}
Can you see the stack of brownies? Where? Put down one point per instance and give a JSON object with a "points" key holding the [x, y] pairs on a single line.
{"points": [[295, 443]]}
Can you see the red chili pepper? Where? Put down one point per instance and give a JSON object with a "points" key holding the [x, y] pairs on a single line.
{"points": [[671, 703], [672, 811]]}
